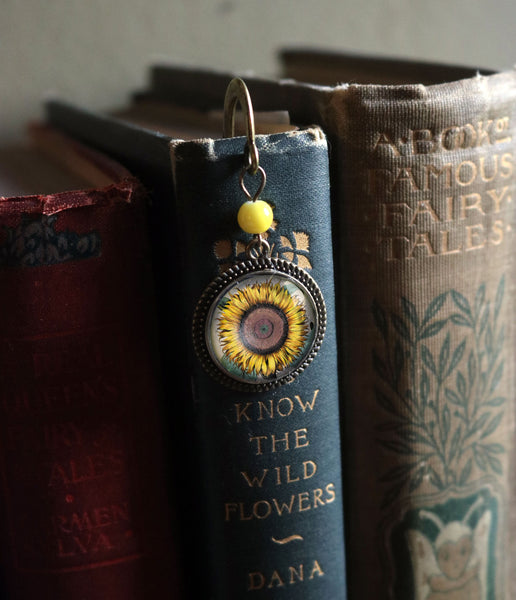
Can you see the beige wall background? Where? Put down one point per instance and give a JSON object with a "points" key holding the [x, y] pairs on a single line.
{"points": [[96, 51]]}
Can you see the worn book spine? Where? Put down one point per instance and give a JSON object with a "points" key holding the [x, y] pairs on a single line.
{"points": [[83, 506], [269, 474], [423, 185]]}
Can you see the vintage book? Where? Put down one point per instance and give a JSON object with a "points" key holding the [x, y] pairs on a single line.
{"points": [[84, 510], [263, 511], [422, 179]]}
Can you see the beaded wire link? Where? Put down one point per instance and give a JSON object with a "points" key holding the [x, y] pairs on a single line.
{"points": [[255, 216]]}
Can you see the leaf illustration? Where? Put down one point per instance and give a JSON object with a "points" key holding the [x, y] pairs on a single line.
{"points": [[379, 318], [385, 402], [444, 354], [494, 463], [428, 360], [497, 377], [492, 425], [479, 458], [458, 319], [452, 397], [380, 367], [446, 424], [456, 356], [498, 401], [461, 384], [462, 303], [494, 448], [401, 327], [410, 311], [454, 445], [480, 298], [399, 359], [478, 425], [484, 319], [436, 479], [398, 471], [434, 307], [424, 387], [472, 368], [417, 479], [392, 493], [466, 472], [499, 297], [432, 329], [398, 447]]}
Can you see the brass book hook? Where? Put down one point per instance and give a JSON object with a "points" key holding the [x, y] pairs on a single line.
{"points": [[237, 93]]}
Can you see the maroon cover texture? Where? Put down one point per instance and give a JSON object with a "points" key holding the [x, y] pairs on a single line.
{"points": [[84, 512]]}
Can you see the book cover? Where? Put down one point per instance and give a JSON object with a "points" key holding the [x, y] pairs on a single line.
{"points": [[264, 515], [422, 175], [84, 510]]}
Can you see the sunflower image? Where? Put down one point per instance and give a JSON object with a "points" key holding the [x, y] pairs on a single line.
{"points": [[262, 328]]}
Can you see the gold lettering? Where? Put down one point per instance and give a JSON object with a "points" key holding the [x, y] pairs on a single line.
{"points": [[255, 480], [445, 244], [330, 490], [290, 407], [241, 412], [422, 141], [269, 411], [497, 230], [422, 241], [405, 175], [394, 214], [304, 406], [385, 140], [466, 173], [506, 165], [262, 515], [284, 440], [475, 237], [284, 507], [276, 580], [296, 574], [497, 197], [304, 498], [301, 438], [316, 570], [470, 202], [431, 171], [258, 439], [424, 208], [256, 581]]}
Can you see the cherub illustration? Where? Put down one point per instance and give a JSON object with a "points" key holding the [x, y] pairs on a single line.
{"points": [[454, 567]]}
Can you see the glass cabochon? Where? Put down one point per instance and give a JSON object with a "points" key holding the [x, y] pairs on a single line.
{"points": [[261, 323]]}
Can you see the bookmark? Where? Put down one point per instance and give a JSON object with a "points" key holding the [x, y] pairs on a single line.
{"points": [[260, 323]]}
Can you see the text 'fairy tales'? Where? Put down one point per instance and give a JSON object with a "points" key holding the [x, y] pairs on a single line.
{"points": [[441, 193]]}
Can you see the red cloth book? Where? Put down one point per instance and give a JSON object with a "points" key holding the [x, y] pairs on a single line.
{"points": [[84, 510]]}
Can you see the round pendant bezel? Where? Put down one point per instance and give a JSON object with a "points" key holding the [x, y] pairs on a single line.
{"points": [[203, 322]]}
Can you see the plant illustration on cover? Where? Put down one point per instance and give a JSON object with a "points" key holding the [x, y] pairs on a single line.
{"points": [[35, 241], [438, 376]]}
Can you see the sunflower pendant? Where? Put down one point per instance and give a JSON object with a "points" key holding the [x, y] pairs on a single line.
{"points": [[259, 324]]}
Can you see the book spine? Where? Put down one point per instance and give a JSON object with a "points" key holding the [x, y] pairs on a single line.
{"points": [[424, 190], [84, 511], [269, 479]]}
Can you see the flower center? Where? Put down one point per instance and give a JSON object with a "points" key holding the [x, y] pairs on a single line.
{"points": [[263, 329]]}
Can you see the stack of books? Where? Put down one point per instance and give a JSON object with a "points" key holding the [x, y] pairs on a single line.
{"points": [[140, 460]]}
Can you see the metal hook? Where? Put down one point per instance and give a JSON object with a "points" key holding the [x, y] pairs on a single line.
{"points": [[237, 92]]}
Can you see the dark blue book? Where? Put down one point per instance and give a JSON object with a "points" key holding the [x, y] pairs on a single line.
{"points": [[256, 466]]}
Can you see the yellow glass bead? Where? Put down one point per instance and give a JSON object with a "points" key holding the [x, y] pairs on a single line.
{"points": [[255, 216]]}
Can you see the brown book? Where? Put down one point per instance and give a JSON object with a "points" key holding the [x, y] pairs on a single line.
{"points": [[423, 186], [422, 163], [84, 510]]}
